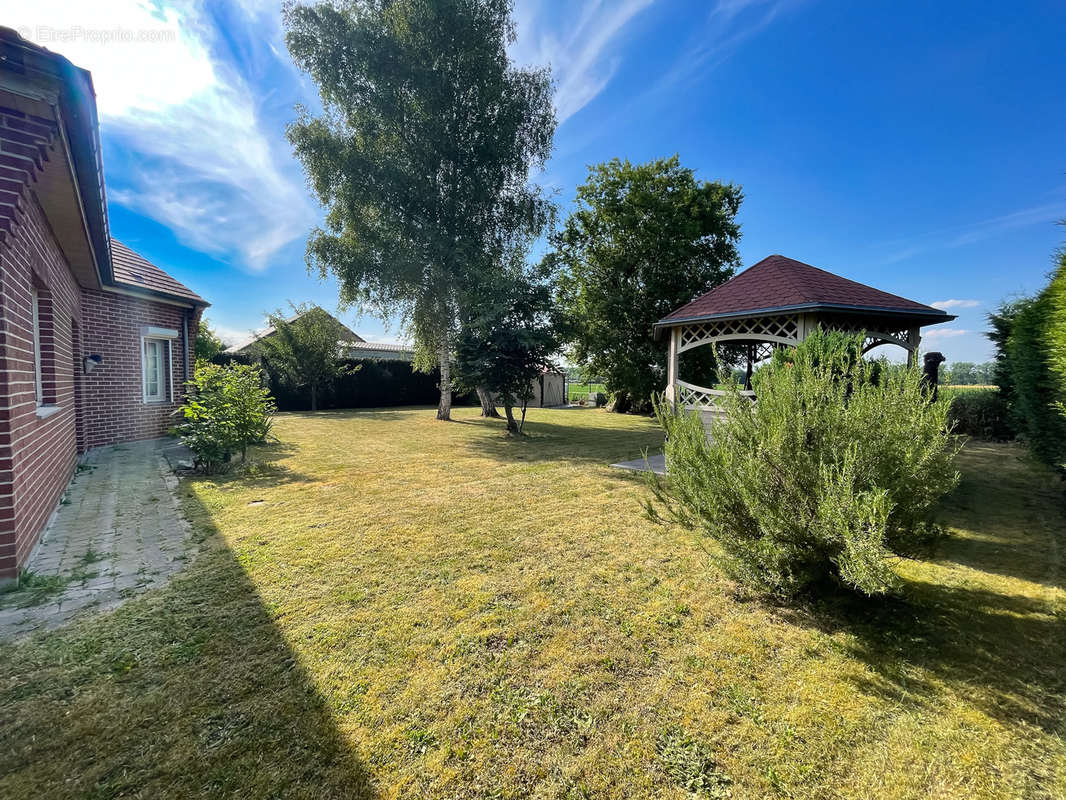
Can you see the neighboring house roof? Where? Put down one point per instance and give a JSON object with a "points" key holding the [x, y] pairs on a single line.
{"points": [[778, 283], [134, 271], [383, 351], [345, 335]]}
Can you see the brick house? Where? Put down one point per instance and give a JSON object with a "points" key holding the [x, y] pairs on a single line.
{"points": [[94, 340]]}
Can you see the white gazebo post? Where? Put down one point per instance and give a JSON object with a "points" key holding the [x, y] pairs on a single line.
{"points": [[671, 367], [914, 338]]}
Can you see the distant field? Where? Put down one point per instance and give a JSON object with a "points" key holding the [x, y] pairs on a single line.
{"points": [[576, 391], [949, 390]]}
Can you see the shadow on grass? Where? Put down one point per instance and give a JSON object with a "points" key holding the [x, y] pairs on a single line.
{"points": [[191, 690], [578, 438], [999, 644]]}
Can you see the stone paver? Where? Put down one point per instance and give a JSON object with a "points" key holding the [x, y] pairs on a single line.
{"points": [[118, 532]]}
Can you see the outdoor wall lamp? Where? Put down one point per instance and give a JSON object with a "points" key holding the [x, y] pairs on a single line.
{"points": [[90, 362]]}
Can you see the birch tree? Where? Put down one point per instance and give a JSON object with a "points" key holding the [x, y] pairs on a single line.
{"points": [[421, 155]]}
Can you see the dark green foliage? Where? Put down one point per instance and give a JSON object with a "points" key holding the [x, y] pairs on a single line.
{"points": [[304, 350], [207, 345], [508, 341], [421, 156], [835, 469], [226, 410], [981, 413], [370, 384], [643, 239], [1030, 336], [1001, 323]]}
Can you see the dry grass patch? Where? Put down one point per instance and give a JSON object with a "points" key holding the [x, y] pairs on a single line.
{"points": [[397, 607]]}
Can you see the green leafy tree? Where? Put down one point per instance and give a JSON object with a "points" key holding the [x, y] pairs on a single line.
{"points": [[305, 349], [421, 156], [835, 470], [962, 373], [642, 240], [509, 341], [208, 344]]}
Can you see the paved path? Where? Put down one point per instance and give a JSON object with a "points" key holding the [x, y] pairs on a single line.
{"points": [[118, 532], [653, 463]]}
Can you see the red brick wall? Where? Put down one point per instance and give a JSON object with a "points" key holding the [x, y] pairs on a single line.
{"points": [[38, 451], [114, 408], [37, 454]]}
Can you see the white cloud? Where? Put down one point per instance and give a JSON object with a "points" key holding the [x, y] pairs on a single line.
{"points": [[963, 235], [945, 333], [195, 154], [947, 305], [728, 24], [231, 336], [579, 52]]}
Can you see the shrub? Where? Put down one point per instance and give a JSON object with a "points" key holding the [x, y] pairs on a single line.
{"points": [[1030, 366], [979, 412], [227, 409], [833, 470]]}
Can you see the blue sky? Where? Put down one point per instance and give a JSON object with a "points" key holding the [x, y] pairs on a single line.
{"points": [[915, 146]]}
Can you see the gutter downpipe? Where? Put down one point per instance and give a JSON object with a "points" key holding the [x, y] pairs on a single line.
{"points": [[185, 344]]}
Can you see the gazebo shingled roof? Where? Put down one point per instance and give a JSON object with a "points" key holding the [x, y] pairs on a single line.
{"points": [[778, 283]]}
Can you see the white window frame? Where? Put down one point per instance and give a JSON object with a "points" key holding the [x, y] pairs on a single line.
{"points": [[164, 336], [160, 395], [38, 379]]}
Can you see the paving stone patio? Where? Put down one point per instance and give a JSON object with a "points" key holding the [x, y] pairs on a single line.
{"points": [[118, 532]]}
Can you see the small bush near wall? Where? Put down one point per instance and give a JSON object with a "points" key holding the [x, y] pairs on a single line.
{"points": [[835, 469], [981, 413], [226, 410]]}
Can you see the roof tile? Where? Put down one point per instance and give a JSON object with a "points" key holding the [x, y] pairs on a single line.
{"points": [[133, 270], [780, 282]]}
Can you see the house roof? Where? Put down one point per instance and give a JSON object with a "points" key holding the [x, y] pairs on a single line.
{"points": [[778, 284], [402, 352], [69, 99], [345, 335], [134, 271]]}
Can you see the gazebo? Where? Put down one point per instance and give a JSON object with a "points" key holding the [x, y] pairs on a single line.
{"points": [[778, 302]]}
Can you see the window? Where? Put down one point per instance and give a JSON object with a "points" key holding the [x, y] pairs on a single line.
{"points": [[157, 364], [154, 370], [38, 385]]}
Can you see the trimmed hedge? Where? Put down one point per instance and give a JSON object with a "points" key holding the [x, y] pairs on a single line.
{"points": [[981, 413], [1033, 362], [376, 384]]}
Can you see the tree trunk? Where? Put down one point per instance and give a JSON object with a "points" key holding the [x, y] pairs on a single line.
{"points": [[314, 397], [444, 409], [525, 403], [488, 408], [508, 409]]}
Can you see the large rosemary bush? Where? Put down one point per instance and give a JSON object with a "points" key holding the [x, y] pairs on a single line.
{"points": [[831, 473]]}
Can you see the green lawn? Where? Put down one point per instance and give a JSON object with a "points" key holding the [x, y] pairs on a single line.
{"points": [[396, 607], [578, 390]]}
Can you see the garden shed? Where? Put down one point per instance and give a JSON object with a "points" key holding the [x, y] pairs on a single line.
{"points": [[776, 303]]}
